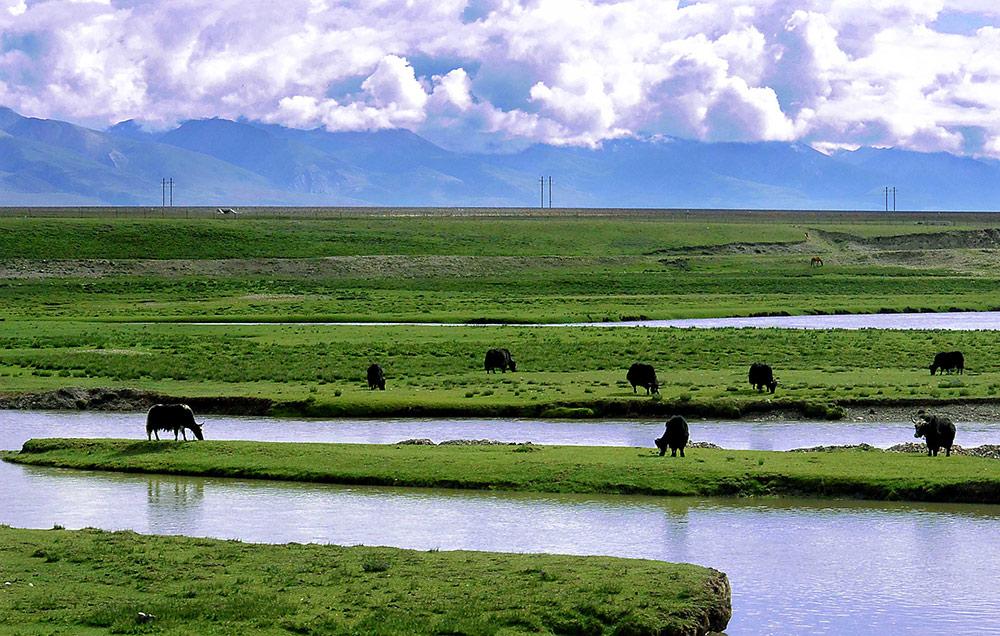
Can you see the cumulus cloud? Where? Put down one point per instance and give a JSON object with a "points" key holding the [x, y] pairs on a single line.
{"points": [[497, 74], [14, 7]]}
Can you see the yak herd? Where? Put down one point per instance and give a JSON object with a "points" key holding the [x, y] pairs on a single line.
{"points": [[938, 431]]}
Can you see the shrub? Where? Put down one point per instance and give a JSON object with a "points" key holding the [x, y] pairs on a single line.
{"points": [[567, 412], [821, 410], [374, 563]]}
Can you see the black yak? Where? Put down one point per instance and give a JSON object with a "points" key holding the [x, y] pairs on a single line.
{"points": [[939, 431], [761, 376], [643, 375], [178, 418], [376, 378], [675, 436], [499, 359], [948, 361]]}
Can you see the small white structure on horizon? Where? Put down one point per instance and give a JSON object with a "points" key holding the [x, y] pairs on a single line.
{"points": [[227, 211]]}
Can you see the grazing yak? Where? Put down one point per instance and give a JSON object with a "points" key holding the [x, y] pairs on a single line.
{"points": [[643, 375], [178, 418], [675, 436], [376, 378], [948, 361], [939, 431], [499, 359], [761, 376]]}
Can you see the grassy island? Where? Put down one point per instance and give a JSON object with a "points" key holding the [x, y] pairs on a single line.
{"points": [[91, 582], [870, 474]]}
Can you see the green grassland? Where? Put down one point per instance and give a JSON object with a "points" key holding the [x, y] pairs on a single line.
{"points": [[519, 269], [101, 302], [319, 370], [111, 300], [871, 474], [91, 582]]}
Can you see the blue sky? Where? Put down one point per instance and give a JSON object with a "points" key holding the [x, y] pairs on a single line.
{"points": [[501, 74]]}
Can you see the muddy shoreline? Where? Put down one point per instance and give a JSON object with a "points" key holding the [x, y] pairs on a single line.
{"points": [[132, 400], [970, 410], [129, 400]]}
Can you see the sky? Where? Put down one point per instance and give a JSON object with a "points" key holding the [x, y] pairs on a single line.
{"points": [[498, 75]]}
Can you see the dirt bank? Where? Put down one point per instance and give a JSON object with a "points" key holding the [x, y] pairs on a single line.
{"points": [[131, 400], [959, 411], [389, 266], [126, 399]]}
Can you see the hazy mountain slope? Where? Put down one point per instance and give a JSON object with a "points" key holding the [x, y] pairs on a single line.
{"points": [[76, 165], [222, 162], [929, 180]]}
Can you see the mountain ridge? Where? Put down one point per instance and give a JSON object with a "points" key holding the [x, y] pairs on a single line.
{"points": [[226, 162]]}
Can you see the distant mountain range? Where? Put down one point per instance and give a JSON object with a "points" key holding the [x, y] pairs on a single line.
{"points": [[218, 162]]}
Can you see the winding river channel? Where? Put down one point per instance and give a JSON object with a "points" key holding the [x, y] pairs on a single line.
{"points": [[796, 566]]}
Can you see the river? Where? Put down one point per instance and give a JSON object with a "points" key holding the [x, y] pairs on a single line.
{"points": [[951, 321], [796, 566], [735, 434]]}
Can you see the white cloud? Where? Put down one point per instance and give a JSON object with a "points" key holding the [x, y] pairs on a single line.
{"points": [[454, 89], [394, 86], [832, 73], [14, 7]]}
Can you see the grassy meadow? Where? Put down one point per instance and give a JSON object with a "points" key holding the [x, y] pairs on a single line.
{"points": [[517, 269], [90, 582], [109, 301], [870, 474], [319, 370]]}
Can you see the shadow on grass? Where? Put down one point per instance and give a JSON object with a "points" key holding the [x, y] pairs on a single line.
{"points": [[149, 448]]}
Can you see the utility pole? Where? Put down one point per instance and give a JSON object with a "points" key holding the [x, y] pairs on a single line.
{"points": [[163, 193], [886, 190], [171, 192], [893, 198], [550, 191], [541, 186]]}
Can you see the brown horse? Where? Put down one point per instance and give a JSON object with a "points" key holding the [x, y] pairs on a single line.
{"points": [[816, 262]]}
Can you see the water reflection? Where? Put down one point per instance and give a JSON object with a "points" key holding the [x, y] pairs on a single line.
{"points": [[173, 503], [797, 566], [172, 492]]}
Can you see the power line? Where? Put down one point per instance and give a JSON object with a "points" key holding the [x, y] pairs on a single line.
{"points": [[166, 191], [887, 190]]}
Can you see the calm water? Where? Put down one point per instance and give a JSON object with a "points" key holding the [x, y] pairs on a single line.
{"points": [[954, 321], [797, 567], [17, 426]]}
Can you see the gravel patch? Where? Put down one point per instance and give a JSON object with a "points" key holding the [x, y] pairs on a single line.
{"points": [[989, 451]]}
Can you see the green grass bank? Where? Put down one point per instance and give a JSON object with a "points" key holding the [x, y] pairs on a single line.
{"points": [[90, 582], [319, 370], [871, 474]]}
